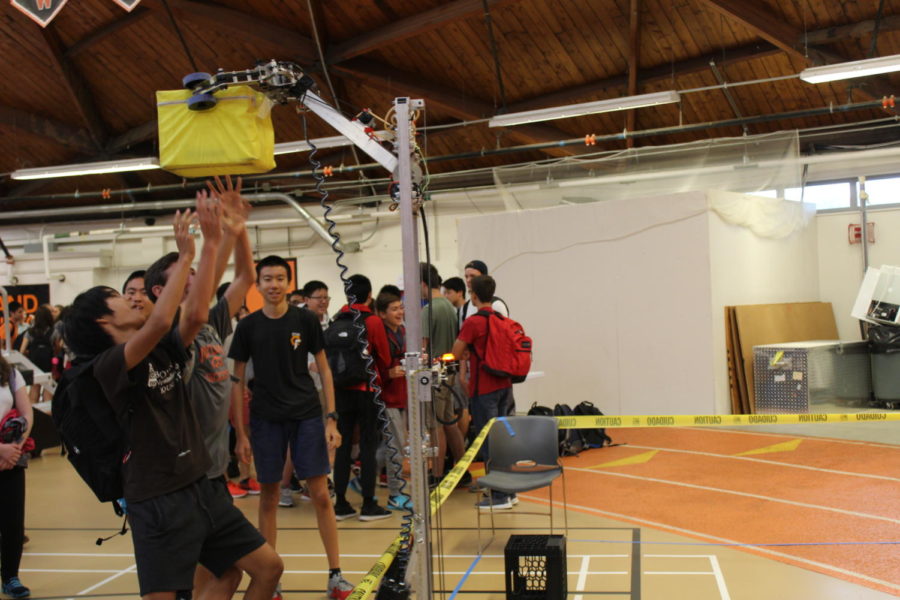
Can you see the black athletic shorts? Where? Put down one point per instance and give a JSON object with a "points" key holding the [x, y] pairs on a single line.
{"points": [[174, 532]]}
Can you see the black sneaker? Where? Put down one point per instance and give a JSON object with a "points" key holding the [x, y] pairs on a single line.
{"points": [[373, 512], [465, 480], [343, 510]]}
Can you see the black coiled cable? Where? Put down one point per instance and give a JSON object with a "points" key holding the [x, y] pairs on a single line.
{"points": [[402, 558]]}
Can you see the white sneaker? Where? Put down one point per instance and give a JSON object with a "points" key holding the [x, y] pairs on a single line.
{"points": [[286, 499]]}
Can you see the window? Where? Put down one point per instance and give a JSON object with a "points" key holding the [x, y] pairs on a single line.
{"points": [[883, 191], [824, 195]]}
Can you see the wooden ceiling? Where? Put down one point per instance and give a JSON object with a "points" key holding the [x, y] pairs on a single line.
{"points": [[83, 88]]}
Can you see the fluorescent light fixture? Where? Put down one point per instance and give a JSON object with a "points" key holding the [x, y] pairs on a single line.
{"points": [[586, 108], [849, 70], [110, 166], [321, 143]]}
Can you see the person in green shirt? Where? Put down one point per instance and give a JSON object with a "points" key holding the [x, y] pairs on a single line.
{"points": [[439, 333]]}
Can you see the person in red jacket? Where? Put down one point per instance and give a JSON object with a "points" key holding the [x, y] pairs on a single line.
{"points": [[356, 407], [390, 309]]}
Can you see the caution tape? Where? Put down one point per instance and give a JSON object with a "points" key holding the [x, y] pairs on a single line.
{"points": [[610, 422], [366, 587], [439, 495]]}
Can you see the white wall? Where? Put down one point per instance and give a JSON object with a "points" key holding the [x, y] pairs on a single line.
{"points": [[841, 264], [616, 297], [748, 269]]}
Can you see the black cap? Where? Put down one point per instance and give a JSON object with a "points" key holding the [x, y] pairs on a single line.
{"points": [[478, 266]]}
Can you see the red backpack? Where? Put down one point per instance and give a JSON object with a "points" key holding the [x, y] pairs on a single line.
{"points": [[507, 351]]}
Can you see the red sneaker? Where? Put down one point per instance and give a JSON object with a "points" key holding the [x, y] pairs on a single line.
{"points": [[251, 485], [236, 491]]}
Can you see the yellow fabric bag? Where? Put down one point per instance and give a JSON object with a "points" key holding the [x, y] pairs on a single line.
{"points": [[235, 137]]}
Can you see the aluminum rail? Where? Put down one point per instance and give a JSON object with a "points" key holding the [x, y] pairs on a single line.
{"points": [[313, 223]]}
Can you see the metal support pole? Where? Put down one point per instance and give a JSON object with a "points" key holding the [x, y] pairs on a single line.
{"points": [[418, 372], [864, 230]]}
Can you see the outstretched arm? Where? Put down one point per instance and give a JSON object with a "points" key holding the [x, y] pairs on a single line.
{"points": [[160, 320], [196, 305], [236, 210]]}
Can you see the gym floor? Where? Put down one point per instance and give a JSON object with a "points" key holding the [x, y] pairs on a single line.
{"points": [[699, 513]]}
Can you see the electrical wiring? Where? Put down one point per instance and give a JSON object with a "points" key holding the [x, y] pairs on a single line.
{"points": [[394, 459]]}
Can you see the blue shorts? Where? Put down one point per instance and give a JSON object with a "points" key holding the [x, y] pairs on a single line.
{"points": [[270, 441]]}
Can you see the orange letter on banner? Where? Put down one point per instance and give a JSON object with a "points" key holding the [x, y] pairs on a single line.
{"points": [[30, 302]]}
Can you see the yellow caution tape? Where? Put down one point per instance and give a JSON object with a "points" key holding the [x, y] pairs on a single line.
{"points": [[439, 495], [607, 422], [366, 587]]}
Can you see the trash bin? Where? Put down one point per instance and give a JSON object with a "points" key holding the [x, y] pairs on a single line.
{"points": [[884, 351]]}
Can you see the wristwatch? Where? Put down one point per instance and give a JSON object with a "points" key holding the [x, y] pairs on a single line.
{"points": [[333, 416]]}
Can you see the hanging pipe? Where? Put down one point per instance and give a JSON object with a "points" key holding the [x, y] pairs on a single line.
{"points": [[675, 129], [308, 218]]}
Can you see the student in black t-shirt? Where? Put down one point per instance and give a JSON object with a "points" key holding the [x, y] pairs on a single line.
{"points": [[285, 413], [177, 517], [207, 376]]}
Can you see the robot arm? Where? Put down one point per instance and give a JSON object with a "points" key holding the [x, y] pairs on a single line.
{"points": [[283, 82]]}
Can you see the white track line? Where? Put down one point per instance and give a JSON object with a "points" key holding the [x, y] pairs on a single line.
{"points": [[130, 569], [720, 579], [78, 554], [582, 577], [767, 462], [69, 570], [721, 540], [713, 563], [788, 436], [736, 493]]}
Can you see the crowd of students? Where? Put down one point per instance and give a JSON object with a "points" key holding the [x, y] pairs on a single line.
{"points": [[192, 392]]}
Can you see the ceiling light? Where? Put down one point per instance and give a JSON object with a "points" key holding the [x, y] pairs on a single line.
{"points": [[586, 108], [109, 166], [849, 70]]}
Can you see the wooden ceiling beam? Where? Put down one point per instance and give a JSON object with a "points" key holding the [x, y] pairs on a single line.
{"points": [[138, 14], [663, 72], [250, 27], [448, 100], [133, 136], [74, 138], [878, 86], [756, 16], [853, 30], [76, 87], [418, 24]]}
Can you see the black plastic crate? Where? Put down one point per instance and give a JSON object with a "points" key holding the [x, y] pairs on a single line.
{"points": [[536, 567]]}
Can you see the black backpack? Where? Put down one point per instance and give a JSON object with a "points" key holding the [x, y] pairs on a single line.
{"points": [[346, 357], [40, 351], [596, 437], [95, 442], [570, 440]]}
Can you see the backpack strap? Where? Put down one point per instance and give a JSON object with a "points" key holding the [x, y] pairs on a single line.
{"points": [[487, 315], [501, 301]]}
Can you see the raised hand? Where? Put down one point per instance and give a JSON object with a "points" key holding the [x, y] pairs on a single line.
{"points": [[209, 213], [235, 208], [184, 239]]}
